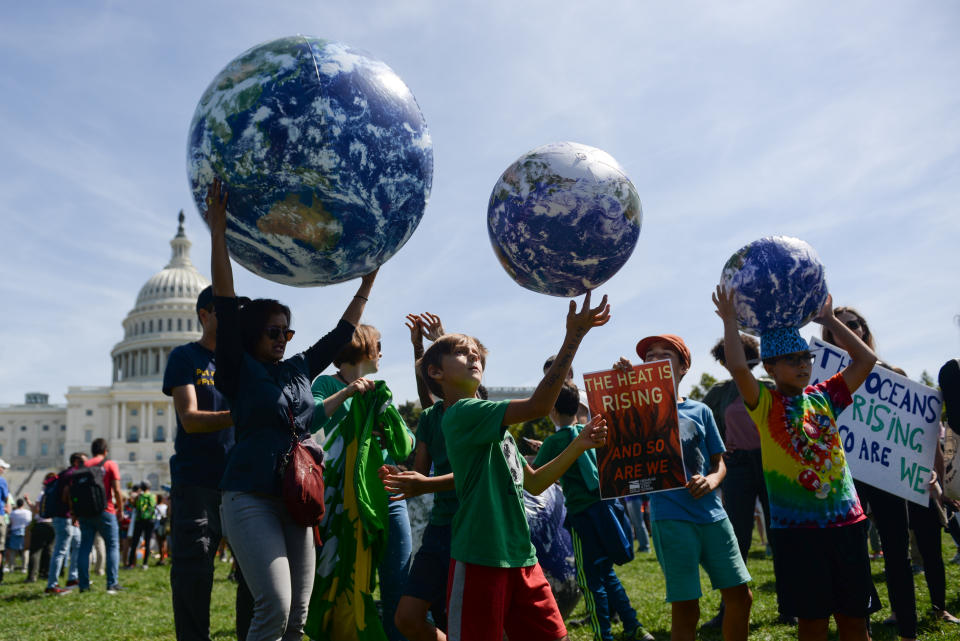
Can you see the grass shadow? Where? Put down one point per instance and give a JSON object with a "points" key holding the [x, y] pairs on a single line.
{"points": [[22, 597]]}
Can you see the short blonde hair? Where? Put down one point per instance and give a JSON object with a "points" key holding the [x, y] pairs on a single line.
{"points": [[446, 344], [363, 344]]}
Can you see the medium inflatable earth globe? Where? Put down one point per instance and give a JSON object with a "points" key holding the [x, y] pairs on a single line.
{"points": [[778, 282], [325, 154], [564, 218]]}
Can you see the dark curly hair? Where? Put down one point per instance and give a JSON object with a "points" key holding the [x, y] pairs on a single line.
{"points": [[751, 349], [254, 316]]}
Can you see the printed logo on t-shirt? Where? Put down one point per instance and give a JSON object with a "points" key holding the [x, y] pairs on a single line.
{"points": [[512, 457], [203, 376], [690, 442]]}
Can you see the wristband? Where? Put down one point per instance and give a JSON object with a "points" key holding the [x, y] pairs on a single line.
{"points": [[363, 298]]}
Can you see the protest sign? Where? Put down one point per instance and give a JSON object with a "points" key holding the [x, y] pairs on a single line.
{"points": [[890, 432], [643, 452]]}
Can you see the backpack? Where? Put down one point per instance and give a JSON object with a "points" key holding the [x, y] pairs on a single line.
{"points": [[51, 501], [88, 494], [146, 506]]}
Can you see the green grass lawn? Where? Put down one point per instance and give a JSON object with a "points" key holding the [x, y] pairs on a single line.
{"points": [[143, 611]]}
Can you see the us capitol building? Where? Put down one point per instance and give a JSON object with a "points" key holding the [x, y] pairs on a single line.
{"points": [[132, 414]]}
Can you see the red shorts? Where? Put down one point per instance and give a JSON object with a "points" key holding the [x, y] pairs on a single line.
{"points": [[485, 602]]}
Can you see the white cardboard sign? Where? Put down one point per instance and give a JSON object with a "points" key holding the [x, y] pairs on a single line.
{"points": [[889, 433]]}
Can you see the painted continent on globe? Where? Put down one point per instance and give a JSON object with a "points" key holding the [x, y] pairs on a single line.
{"points": [[778, 282], [564, 218], [325, 154]]}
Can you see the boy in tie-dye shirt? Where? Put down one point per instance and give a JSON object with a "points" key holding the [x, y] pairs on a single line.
{"points": [[816, 522]]}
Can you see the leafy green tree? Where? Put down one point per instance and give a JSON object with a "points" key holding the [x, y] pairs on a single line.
{"points": [[926, 379], [410, 411], [700, 389], [537, 430]]}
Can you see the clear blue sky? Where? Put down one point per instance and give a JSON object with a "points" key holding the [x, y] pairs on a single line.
{"points": [[835, 123]]}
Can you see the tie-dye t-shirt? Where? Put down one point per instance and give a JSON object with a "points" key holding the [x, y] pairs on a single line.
{"points": [[807, 477]]}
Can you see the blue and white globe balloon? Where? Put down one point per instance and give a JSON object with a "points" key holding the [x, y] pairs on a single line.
{"points": [[778, 283], [564, 218], [325, 154]]}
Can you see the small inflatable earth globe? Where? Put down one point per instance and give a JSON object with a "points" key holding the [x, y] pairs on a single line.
{"points": [[778, 282], [325, 154], [563, 219]]}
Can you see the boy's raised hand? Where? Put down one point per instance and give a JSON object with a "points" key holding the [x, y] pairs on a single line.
{"points": [[723, 300], [826, 311], [593, 434], [216, 214], [431, 325], [623, 365], [582, 321], [416, 330]]}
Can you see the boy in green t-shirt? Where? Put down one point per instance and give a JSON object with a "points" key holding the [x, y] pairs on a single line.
{"points": [[598, 537], [496, 584]]}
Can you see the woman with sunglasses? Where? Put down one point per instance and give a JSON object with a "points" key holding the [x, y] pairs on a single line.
{"points": [[348, 568], [892, 515], [269, 397]]}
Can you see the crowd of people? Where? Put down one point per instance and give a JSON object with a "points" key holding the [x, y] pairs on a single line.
{"points": [[243, 406], [46, 538]]}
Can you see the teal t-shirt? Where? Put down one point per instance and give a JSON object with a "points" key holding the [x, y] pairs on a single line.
{"points": [[490, 528], [576, 495], [325, 386], [428, 431]]}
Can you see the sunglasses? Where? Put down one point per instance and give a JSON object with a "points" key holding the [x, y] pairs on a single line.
{"points": [[273, 333], [379, 347], [798, 359]]}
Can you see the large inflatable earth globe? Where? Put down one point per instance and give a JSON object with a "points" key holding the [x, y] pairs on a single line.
{"points": [[778, 282], [325, 154], [563, 219]]}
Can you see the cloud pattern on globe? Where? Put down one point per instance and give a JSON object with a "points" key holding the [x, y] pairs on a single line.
{"points": [[778, 282], [564, 218], [326, 156]]}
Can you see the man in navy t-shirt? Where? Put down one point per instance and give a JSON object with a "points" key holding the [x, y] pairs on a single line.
{"points": [[204, 436]]}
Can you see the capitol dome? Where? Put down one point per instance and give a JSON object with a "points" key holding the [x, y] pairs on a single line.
{"points": [[163, 317]]}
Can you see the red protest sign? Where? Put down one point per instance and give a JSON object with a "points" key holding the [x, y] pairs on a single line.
{"points": [[643, 452]]}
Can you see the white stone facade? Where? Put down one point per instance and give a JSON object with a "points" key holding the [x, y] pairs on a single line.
{"points": [[132, 414]]}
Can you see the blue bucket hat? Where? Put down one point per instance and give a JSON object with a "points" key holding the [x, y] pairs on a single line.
{"points": [[780, 341]]}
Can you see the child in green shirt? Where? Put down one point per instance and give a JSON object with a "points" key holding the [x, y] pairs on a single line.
{"points": [[496, 584]]}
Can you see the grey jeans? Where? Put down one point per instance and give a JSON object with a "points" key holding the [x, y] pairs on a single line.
{"points": [[278, 561]]}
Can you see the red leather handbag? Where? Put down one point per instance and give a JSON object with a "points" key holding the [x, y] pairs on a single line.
{"points": [[301, 473]]}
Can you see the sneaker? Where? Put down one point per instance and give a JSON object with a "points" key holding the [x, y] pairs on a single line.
{"points": [[956, 558], [144, 566], [116, 587], [57, 591], [639, 633], [715, 623], [945, 616], [72, 583]]}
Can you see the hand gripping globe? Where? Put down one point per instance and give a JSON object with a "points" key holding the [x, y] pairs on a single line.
{"points": [[778, 283], [325, 154], [564, 218]]}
